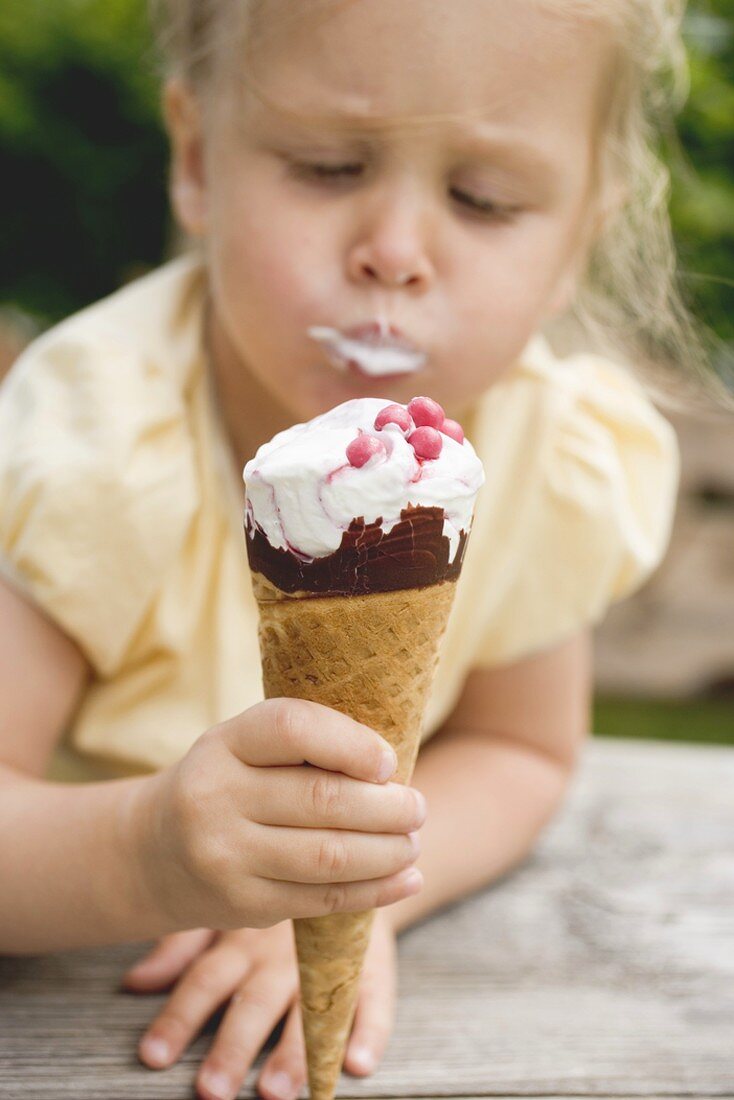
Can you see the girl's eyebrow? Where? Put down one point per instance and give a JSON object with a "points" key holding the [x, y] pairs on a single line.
{"points": [[483, 140], [495, 143]]}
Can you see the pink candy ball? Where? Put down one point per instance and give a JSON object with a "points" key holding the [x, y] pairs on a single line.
{"points": [[393, 414], [426, 412], [454, 429], [362, 449], [426, 442]]}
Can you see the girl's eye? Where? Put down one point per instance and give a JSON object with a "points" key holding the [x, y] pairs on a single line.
{"points": [[484, 207], [325, 171]]}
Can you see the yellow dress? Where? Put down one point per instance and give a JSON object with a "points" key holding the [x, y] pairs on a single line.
{"points": [[121, 518]]}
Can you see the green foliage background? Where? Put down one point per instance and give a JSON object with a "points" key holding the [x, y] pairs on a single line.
{"points": [[83, 157], [703, 170]]}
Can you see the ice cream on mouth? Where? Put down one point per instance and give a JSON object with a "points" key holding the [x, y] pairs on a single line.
{"points": [[373, 350], [370, 496]]}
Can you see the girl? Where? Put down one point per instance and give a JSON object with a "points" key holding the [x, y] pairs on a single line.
{"points": [[478, 174]]}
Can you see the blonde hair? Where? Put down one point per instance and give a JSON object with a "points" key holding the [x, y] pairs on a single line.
{"points": [[629, 302]]}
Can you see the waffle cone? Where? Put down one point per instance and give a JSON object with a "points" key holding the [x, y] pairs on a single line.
{"points": [[372, 657]]}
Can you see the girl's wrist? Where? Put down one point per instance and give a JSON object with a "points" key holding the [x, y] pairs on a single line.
{"points": [[140, 840]]}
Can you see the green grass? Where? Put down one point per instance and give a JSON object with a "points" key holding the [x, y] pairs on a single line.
{"points": [[700, 720]]}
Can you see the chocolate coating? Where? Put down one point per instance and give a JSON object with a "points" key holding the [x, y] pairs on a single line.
{"points": [[413, 555]]}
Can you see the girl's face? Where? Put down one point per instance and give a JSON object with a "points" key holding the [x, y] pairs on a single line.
{"points": [[424, 162]]}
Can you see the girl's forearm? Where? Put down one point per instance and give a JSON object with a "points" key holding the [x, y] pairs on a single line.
{"points": [[488, 799], [71, 868]]}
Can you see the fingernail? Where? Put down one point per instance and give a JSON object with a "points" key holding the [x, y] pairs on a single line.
{"points": [[363, 1059], [155, 1050], [388, 764], [217, 1084], [415, 842], [421, 805], [280, 1086], [136, 971]]}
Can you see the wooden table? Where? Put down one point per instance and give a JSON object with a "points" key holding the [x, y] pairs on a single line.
{"points": [[604, 966]]}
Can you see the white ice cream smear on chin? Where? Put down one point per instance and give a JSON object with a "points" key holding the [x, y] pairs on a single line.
{"points": [[376, 361], [303, 493]]}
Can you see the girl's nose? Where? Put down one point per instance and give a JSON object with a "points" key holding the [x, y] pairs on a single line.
{"points": [[376, 271], [391, 250]]}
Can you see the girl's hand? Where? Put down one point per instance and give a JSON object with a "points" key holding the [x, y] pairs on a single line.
{"points": [[256, 971], [238, 833]]}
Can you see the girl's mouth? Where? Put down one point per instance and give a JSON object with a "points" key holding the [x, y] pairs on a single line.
{"points": [[373, 349]]}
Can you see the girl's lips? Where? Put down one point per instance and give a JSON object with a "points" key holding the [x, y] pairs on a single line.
{"points": [[372, 349], [380, 335]]}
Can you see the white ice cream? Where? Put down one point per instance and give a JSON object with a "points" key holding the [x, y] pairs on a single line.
{"points": [[372, 359], [303, 493]]}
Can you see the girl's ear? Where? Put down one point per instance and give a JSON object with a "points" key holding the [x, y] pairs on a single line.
{"points": [[187, 186]]}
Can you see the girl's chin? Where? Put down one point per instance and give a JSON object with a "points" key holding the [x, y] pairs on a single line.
{"points": [[333, 385]]}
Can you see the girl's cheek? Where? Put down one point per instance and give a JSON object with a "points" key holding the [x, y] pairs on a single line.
{"points": [[494, 329], [280, 249], [501, 302], [517, 279], [254, 263]]}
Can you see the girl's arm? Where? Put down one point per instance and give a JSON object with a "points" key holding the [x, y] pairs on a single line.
{"points": [[497, 771], [65, 849], [236, 833]]}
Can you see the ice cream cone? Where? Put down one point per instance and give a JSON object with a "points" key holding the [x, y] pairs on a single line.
{"points": [[356, 525], [372, 657]]}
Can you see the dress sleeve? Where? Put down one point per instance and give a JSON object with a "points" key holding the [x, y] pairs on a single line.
{"points": [[601, 511], [97, 487]]}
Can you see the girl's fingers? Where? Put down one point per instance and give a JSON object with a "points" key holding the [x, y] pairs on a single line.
{"points": [[168, 959], [375, 1016], [284, 1073], [297, 731], [255, 1010], [308, 797], [208, 982], [323, 855], [294, 899]]}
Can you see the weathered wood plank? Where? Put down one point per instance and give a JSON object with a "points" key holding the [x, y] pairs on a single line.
{"points": [[603, 967]]}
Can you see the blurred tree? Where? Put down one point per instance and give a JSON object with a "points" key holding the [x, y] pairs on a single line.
{"points": [[703, 169], [83, 158]]}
